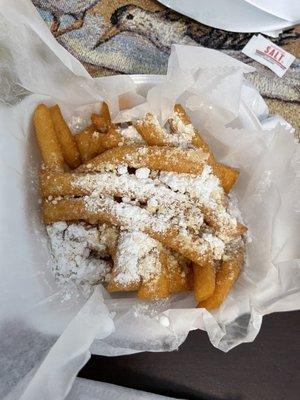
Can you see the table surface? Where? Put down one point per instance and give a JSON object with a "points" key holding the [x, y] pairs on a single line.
{"points": [[267, 369]]}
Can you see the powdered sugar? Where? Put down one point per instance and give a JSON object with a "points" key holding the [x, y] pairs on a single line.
{"points": [[185, 131], [216, 245], [167, 200], [204, 187], [122, 169], [131, 135], [142, 173], [76, 256], [206, 191], [170, 208], [132, 262]]}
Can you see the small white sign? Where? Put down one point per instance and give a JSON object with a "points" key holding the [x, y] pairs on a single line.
{"points": [[269, 54]]}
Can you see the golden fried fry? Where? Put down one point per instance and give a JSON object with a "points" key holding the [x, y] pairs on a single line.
{"points": [[99, 123], [152, 133], [180, 243], [177, 273], [124, 256], [170, 276], [69, 184], [199, 142], [156, 158], [59, 184], [204, 280], [65, 138], [114, 286], [227, 175], [87, 142], [225, 278], [47, 138], [215, 218], [157, 286], [73, 210], [137, 266], [111, 139], [91, 142], [105, 114]]}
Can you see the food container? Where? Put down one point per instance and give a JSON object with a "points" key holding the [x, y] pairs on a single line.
{"points": [[50, 337]]}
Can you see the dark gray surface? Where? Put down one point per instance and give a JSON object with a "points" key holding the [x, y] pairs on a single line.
{"points": [[267, 369]]}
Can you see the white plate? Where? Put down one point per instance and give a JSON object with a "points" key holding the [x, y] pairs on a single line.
{"points": [[238, 15]]}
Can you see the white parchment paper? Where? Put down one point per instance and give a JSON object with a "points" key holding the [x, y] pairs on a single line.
{"points": [[45, 338]]}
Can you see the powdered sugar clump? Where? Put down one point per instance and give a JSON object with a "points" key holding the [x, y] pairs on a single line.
{"points": [[205, 186], [122, 169], [131, 135], [133, 248], [142, 173], [186, 131], [76, 255], [217, 246]]}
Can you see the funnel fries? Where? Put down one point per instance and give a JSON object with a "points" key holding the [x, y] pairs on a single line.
{"points": [[159, 211]]}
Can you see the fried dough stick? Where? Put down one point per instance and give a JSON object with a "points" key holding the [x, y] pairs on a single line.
{"points": [[105, 114], [226, 276], [178, 272], [65, 138], [204, 280], [114, 186], [155, 286], [99, 123], [154, 157], [91, 142], [139, 264], [99, 136], [47, 139], [125, 273]]}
